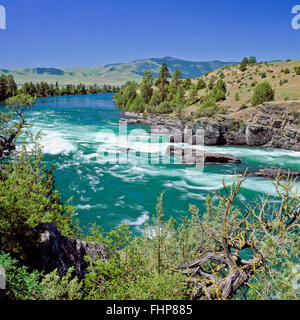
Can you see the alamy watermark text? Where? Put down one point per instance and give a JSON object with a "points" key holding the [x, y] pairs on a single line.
{"points": [[2, 17]]}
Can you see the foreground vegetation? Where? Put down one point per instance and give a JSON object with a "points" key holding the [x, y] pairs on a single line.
{"points": [[224, 252], [227, 90]]}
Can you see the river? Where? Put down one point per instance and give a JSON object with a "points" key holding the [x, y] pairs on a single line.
{"points": [[79, 129]]}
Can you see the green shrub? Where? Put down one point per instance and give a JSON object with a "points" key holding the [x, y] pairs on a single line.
{"points": [[165, 108], [145, 114], [20, 283], [220, 96], [263, 92], [156, 98], [297, 70], [137, 105], [55, 287], [193, 95], [209, 108], [221, 85], [263, 75], [28, 198], [201, 84]]}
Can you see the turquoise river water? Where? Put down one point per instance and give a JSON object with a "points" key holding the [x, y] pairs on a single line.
{"points": [[79, 129]]}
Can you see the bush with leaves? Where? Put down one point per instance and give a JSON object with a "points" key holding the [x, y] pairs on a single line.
{"points": [[20, 283], [28, 198], [126, 94], [57, 287], [220, 96], [193, 95], [139, 268], [209, 107], [263, 92], [201, 84], [165, 108], [156, 98]]}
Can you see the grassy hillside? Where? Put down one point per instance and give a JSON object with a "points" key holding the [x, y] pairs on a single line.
{"points": [[114, 74], [240, 85]]}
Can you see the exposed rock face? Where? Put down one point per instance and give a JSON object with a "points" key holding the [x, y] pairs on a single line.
{"points": [[272, 126], [272, 172], [50, 250], [258, 135]]}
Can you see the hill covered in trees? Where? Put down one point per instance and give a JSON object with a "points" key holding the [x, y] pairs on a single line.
{"points": [[112, 74], [234, 89]]}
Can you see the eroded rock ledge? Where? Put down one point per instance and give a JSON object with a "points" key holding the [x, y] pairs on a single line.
{"points": [[270, 126]]}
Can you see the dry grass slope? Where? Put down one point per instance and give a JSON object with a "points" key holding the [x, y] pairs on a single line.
{"points": [[281, 75]]}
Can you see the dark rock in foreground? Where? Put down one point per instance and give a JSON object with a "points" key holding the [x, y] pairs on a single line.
{"points": [[49, 250]]}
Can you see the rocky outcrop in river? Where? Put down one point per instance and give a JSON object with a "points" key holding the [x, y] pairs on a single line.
{"points": [[273, 172], [196, 156]]}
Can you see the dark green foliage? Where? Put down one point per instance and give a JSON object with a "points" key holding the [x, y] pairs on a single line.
{"points": [[126, 94], [8, 87], [263, 92], [165, 108], [162, 82], [201, 84], [209, 107], [263, 75], [146, 87], [28, 198], [220, 96], [247, 61], [20, 283], [156, 98], [137, 105], [297, 70], [252, 60], [179, 98], [187, 83], [221, 85], [193, 95], [211, 82], [174, 85], [243, 65]]}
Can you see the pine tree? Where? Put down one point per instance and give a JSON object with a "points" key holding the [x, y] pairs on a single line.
{"points": [[146, 87], [174, 85], [162, 81], [3, 87]]}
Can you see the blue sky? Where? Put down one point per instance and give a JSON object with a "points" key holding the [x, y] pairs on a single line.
{"points": [[71, 33]]}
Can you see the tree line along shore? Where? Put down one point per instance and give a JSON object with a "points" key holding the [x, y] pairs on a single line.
{"points": [[9, 88]]}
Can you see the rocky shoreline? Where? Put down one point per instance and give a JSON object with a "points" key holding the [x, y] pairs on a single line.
{"points": [[271, 126]]}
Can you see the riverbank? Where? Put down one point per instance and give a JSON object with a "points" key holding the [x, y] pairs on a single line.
{"points": [[270, 125]]}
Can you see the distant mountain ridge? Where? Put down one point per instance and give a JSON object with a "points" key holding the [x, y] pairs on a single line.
{"points": [[113, 74]]}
